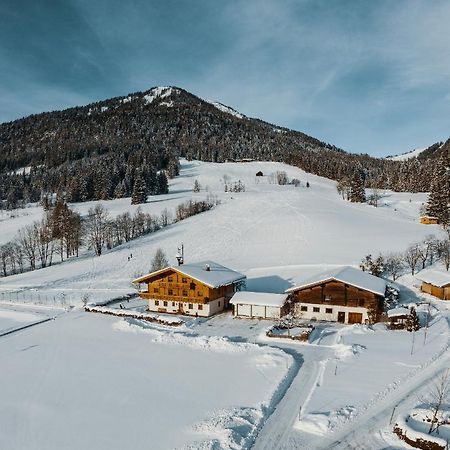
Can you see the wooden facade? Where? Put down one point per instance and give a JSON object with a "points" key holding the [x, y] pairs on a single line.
{"points": [[172, 291], [338, 301], [440, 292]]}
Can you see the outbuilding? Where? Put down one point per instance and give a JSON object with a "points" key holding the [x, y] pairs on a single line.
{"points": [[436, 283], [429, 220], [261, 305], [398, 317]]}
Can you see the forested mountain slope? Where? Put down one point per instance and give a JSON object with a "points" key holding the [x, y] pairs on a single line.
{"points": [[114, 142]]}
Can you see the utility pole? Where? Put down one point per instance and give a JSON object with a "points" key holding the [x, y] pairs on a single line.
{"points": [[426, 325]]}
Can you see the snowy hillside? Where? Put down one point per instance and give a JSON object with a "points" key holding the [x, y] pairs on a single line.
{"points": [[266, 226], [408, 155]]}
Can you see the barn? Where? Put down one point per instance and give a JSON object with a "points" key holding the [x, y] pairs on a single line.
{"points": [[261, 305], [343, 294], [436, 283]]}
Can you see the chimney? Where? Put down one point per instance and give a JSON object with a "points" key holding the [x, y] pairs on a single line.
{"points": [[207, 267]]}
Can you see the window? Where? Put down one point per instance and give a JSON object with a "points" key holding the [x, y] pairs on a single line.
{"points": [[170, 279], [156, 302], [200, 307], [361, 302], [192, 286], [185, 293], [199, 293], [184, 280], [218, 304], [165, 303], [303, 308], [191, 306], [170, 291], [316, 309], [155, 290], [173, 304], [329, 310]]}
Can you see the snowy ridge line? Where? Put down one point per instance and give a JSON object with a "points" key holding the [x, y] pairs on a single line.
{"points": [[394, 386], [148, 317]]}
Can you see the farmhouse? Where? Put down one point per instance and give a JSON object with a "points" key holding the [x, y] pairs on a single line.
{"points": [[259, 305], [345, 295], [436, 283], [429, 220], [199, 289]]}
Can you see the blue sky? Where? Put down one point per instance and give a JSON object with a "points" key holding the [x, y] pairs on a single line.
{"points": [[367, 76]]}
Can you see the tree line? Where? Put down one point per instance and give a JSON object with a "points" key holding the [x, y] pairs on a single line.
{"points": [[62, 233]]}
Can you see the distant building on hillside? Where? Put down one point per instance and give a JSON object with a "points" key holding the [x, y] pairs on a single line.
{"points": [[260, 305], [345, 295], [198, 289], [436, 283], [429, 220], [259, 174]]}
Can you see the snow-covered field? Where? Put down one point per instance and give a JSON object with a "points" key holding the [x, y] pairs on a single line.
{"points": [[92, 381], [85, 380]]}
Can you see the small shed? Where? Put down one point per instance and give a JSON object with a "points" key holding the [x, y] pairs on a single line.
{"points": [[259, 174], [436, 283], [429, 220], [398, 317], [261, 305]]}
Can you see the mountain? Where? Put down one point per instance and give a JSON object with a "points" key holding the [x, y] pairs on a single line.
{"points": [[115, 141]]}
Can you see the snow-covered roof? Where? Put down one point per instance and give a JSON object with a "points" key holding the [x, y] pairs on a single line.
{"points": [[258, 299], [348, 275], [216, 276], [434, 277], [400, 311]]}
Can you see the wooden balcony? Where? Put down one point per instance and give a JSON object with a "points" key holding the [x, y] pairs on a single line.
{"points": [[173, 298]]}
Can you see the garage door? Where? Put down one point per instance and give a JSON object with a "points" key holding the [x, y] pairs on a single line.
{"points": [[258, 311], [354, 317], [243, 310]]}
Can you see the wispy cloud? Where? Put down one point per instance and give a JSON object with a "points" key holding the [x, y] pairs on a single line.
{"points": [[367, 76]]}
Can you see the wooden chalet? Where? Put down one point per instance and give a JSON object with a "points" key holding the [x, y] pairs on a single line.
{"points": [[429, 220], [198, 289], [436, 283], [345, 295]]}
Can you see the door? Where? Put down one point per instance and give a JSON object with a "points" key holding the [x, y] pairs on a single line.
{"points": [[341, 316], [354, 317]]}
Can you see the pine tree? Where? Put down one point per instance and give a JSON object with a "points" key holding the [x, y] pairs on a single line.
{"points": [[412, 321], [196, 186], [162, 183], [139, 194], [357, 192], [439, 198]]}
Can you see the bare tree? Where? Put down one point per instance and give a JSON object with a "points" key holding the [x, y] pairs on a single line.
{"points": [[412, 256], [426, 249], [437, 399], [28, 242], [393, 264], [159, 261], [96, 228], [444, 247]]}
